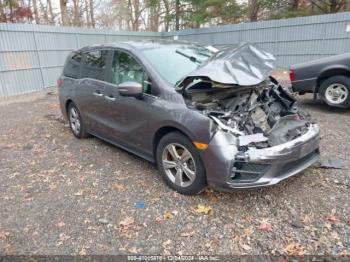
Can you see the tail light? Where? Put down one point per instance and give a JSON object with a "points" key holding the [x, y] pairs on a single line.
{"points": [[59, 82], [291, 75]]}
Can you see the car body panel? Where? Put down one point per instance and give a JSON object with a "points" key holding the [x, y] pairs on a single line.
{"points": [[308, 74]]}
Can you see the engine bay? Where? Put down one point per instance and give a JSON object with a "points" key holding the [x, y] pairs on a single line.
{"points": [[263, 115]]}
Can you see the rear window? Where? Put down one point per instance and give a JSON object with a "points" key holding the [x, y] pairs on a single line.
{"points": [[95, 64], [72, 66]]}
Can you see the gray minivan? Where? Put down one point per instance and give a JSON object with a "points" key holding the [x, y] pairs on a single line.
{"points": [[204, 116]]}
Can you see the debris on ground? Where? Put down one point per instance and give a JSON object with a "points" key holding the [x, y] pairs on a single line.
{"points": [[330, 163]]}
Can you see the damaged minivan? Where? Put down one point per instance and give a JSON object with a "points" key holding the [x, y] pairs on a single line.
{"points": [[204, 116]]}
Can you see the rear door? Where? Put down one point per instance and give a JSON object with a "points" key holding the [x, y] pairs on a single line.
{"points": [[91, 89]]}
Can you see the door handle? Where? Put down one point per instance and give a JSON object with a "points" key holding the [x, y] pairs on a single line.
{"points": [[110, 98], [97, 93]]}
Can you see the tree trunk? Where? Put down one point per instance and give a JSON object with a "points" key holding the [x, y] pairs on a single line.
{"points": [[253, 8], [44, 13], [92, 13], [332, 6], [87, 14], [35, 12], [64, 13], [76, 13], [52, 17], [177, 15], [167, 14], [154, 18]]}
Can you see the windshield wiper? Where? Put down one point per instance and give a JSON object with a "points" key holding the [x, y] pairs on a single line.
{"points": [[192, 58]]}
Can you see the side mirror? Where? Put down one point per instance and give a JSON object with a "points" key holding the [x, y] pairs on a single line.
{"points": [[131, 89]]}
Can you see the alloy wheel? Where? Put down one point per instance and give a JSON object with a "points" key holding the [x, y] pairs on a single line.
{"points": [[74, 120], [179, 165]]}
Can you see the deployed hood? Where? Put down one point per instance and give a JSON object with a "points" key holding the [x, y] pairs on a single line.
{"points": [[245, 65]]}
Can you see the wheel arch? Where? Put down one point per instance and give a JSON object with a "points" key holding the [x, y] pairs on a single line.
{"points": [[68, 102], [330, 72], [161, 132]]}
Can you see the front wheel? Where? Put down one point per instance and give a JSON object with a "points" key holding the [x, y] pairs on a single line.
{"points": [[180, 164], [335, 91]]}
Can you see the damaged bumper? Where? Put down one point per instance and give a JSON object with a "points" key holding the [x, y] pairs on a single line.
{"points": [[227, 167]]}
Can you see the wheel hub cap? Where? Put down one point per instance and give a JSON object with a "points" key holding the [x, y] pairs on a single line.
{"points": [[336, 93]]}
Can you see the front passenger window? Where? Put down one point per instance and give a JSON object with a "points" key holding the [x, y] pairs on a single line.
{"points": [[126, 68]]}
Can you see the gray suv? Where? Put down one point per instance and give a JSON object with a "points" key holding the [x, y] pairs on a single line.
{"points": [[204, 116]]}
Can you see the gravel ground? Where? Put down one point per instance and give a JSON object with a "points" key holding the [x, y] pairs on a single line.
{"points": [[61, 195]]}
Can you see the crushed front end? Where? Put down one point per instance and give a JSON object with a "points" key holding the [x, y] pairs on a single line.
{"points": [[260, 137]]}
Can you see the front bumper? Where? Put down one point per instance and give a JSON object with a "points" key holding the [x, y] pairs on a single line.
{"points": [[258, 167]]}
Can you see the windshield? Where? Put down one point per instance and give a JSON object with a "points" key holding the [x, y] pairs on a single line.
{"points": [[173, 62]]}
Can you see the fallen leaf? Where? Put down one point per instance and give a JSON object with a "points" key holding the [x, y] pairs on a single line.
{"points": [[60, 224], [294, 249], [265, 226], [127, 224], [4, 234], [134, 250], [79, 193], [248, 218], [119, 187], [332, 218], [168, 242], [166, 245], [328, 226], [187, 234], [306, 219], [245, 246], [168, 215], [229, 226], [82, 252], [62, 237], [348, 221], [202, 209], [248, 231]]}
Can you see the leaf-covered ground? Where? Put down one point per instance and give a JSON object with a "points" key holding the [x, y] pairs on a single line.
{"points": [[61, 195]]}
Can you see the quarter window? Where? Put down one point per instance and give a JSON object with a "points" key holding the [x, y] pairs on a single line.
{"points": [[72, 66], [126, 68], [95, 64]]}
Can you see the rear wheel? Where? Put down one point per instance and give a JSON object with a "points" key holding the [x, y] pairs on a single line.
{"points": [[180, 164], [76, 122], [335, 91]]}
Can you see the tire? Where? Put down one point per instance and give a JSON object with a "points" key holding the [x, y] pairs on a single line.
{"points": [[75, 120], [335, 91], [188, 159]]}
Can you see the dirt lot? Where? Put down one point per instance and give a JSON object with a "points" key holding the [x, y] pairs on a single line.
{"points": [[61, 195]]}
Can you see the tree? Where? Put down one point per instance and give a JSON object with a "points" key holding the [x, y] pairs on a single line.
{"points": [[92, 13], [64, 12], [12, 11], [329, 6]]}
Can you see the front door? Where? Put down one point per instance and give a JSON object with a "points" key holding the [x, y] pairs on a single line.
{"points": [[129, 117]]}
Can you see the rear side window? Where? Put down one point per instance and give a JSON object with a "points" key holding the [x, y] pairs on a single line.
{"points": [[95, 64], [72, 66]]}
